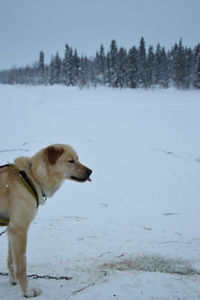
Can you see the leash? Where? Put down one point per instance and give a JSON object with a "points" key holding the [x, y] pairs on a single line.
{"points": [[35, 276]]}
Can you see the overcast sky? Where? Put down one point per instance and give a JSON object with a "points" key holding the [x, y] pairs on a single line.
{"points": [[28, 26]]}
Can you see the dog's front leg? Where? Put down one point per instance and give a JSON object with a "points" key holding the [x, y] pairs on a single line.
{"points": [[12, 277], [17, 240]]}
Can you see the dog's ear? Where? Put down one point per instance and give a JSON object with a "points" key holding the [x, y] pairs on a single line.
{"points": [[53, 154]]}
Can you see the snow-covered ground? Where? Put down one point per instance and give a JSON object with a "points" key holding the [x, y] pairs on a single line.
{"points": [[134, 232]]}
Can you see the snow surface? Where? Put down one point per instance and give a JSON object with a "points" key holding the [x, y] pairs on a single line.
{"points": [[133, 232]]}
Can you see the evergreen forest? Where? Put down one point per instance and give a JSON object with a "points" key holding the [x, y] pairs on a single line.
{"points": [[137, 67]]}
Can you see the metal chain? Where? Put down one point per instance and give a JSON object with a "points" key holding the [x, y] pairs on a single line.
{"points": [[2, 232], [3, 274], [35, 276]]}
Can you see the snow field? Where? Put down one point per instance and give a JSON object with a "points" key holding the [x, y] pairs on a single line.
{"points": [[133, 233]]}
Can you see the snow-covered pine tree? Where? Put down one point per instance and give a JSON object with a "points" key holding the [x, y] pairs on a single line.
{"points": [[108, 69], [150, 67], [197, 68], [164, 76], [132, 68], [83, 72], [112, 64], [179, 65], [99, 65], [41, 68], [41, 62], [55, 70], [68, 67], [121, 70], [102, 65], [64, 77], [142, 63], [189, 68], [51, 71], [157, 65], [75, 68], [171, 58], [97, 77]]}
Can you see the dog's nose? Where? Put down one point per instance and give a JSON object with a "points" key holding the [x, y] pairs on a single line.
{"points": [[89, 172]]}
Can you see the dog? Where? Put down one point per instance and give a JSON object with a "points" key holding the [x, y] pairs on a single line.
{"points": [[23, 187]]}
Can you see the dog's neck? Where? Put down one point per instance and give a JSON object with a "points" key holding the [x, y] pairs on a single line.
{"points": [[48, 185], [44, 195]]}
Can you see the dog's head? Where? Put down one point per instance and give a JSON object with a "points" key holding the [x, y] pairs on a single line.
{"points": [[63, 161]]}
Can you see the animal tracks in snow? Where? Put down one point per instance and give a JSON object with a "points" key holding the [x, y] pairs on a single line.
{"points": [[14, 150], [187, 157], [76, 218]]}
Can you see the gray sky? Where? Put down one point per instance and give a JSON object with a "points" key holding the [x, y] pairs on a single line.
{"points": [[28, 26]]}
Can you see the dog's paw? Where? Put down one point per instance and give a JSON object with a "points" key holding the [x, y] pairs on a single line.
{"points": [[32, 292], [13, 280]]}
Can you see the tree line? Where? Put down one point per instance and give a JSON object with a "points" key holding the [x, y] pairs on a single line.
{"points": [[136, 68]]}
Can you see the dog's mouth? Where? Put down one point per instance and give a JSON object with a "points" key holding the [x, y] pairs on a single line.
{"points": [[87, 174], [81, 179]]}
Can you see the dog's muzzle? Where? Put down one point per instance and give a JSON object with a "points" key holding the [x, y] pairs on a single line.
{"points": [[86, 178]]}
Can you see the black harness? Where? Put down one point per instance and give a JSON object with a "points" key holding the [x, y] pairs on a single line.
{"points": [[27, 182]]}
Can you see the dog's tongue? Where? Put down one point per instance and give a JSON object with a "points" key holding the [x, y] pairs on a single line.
{"points": [[89, 179]]}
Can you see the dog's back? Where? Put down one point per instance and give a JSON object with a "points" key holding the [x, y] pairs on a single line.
{"points": [[7, 179]]}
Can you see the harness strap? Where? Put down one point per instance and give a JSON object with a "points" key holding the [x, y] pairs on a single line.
{"points": [[27, 182], [4, 166], [4, 222]]}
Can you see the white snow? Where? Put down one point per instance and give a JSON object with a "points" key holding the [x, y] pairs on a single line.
{"points": [[133, 232]]}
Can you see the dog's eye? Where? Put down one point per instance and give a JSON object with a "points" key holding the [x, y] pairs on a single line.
{"points": [[71, 161]]}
